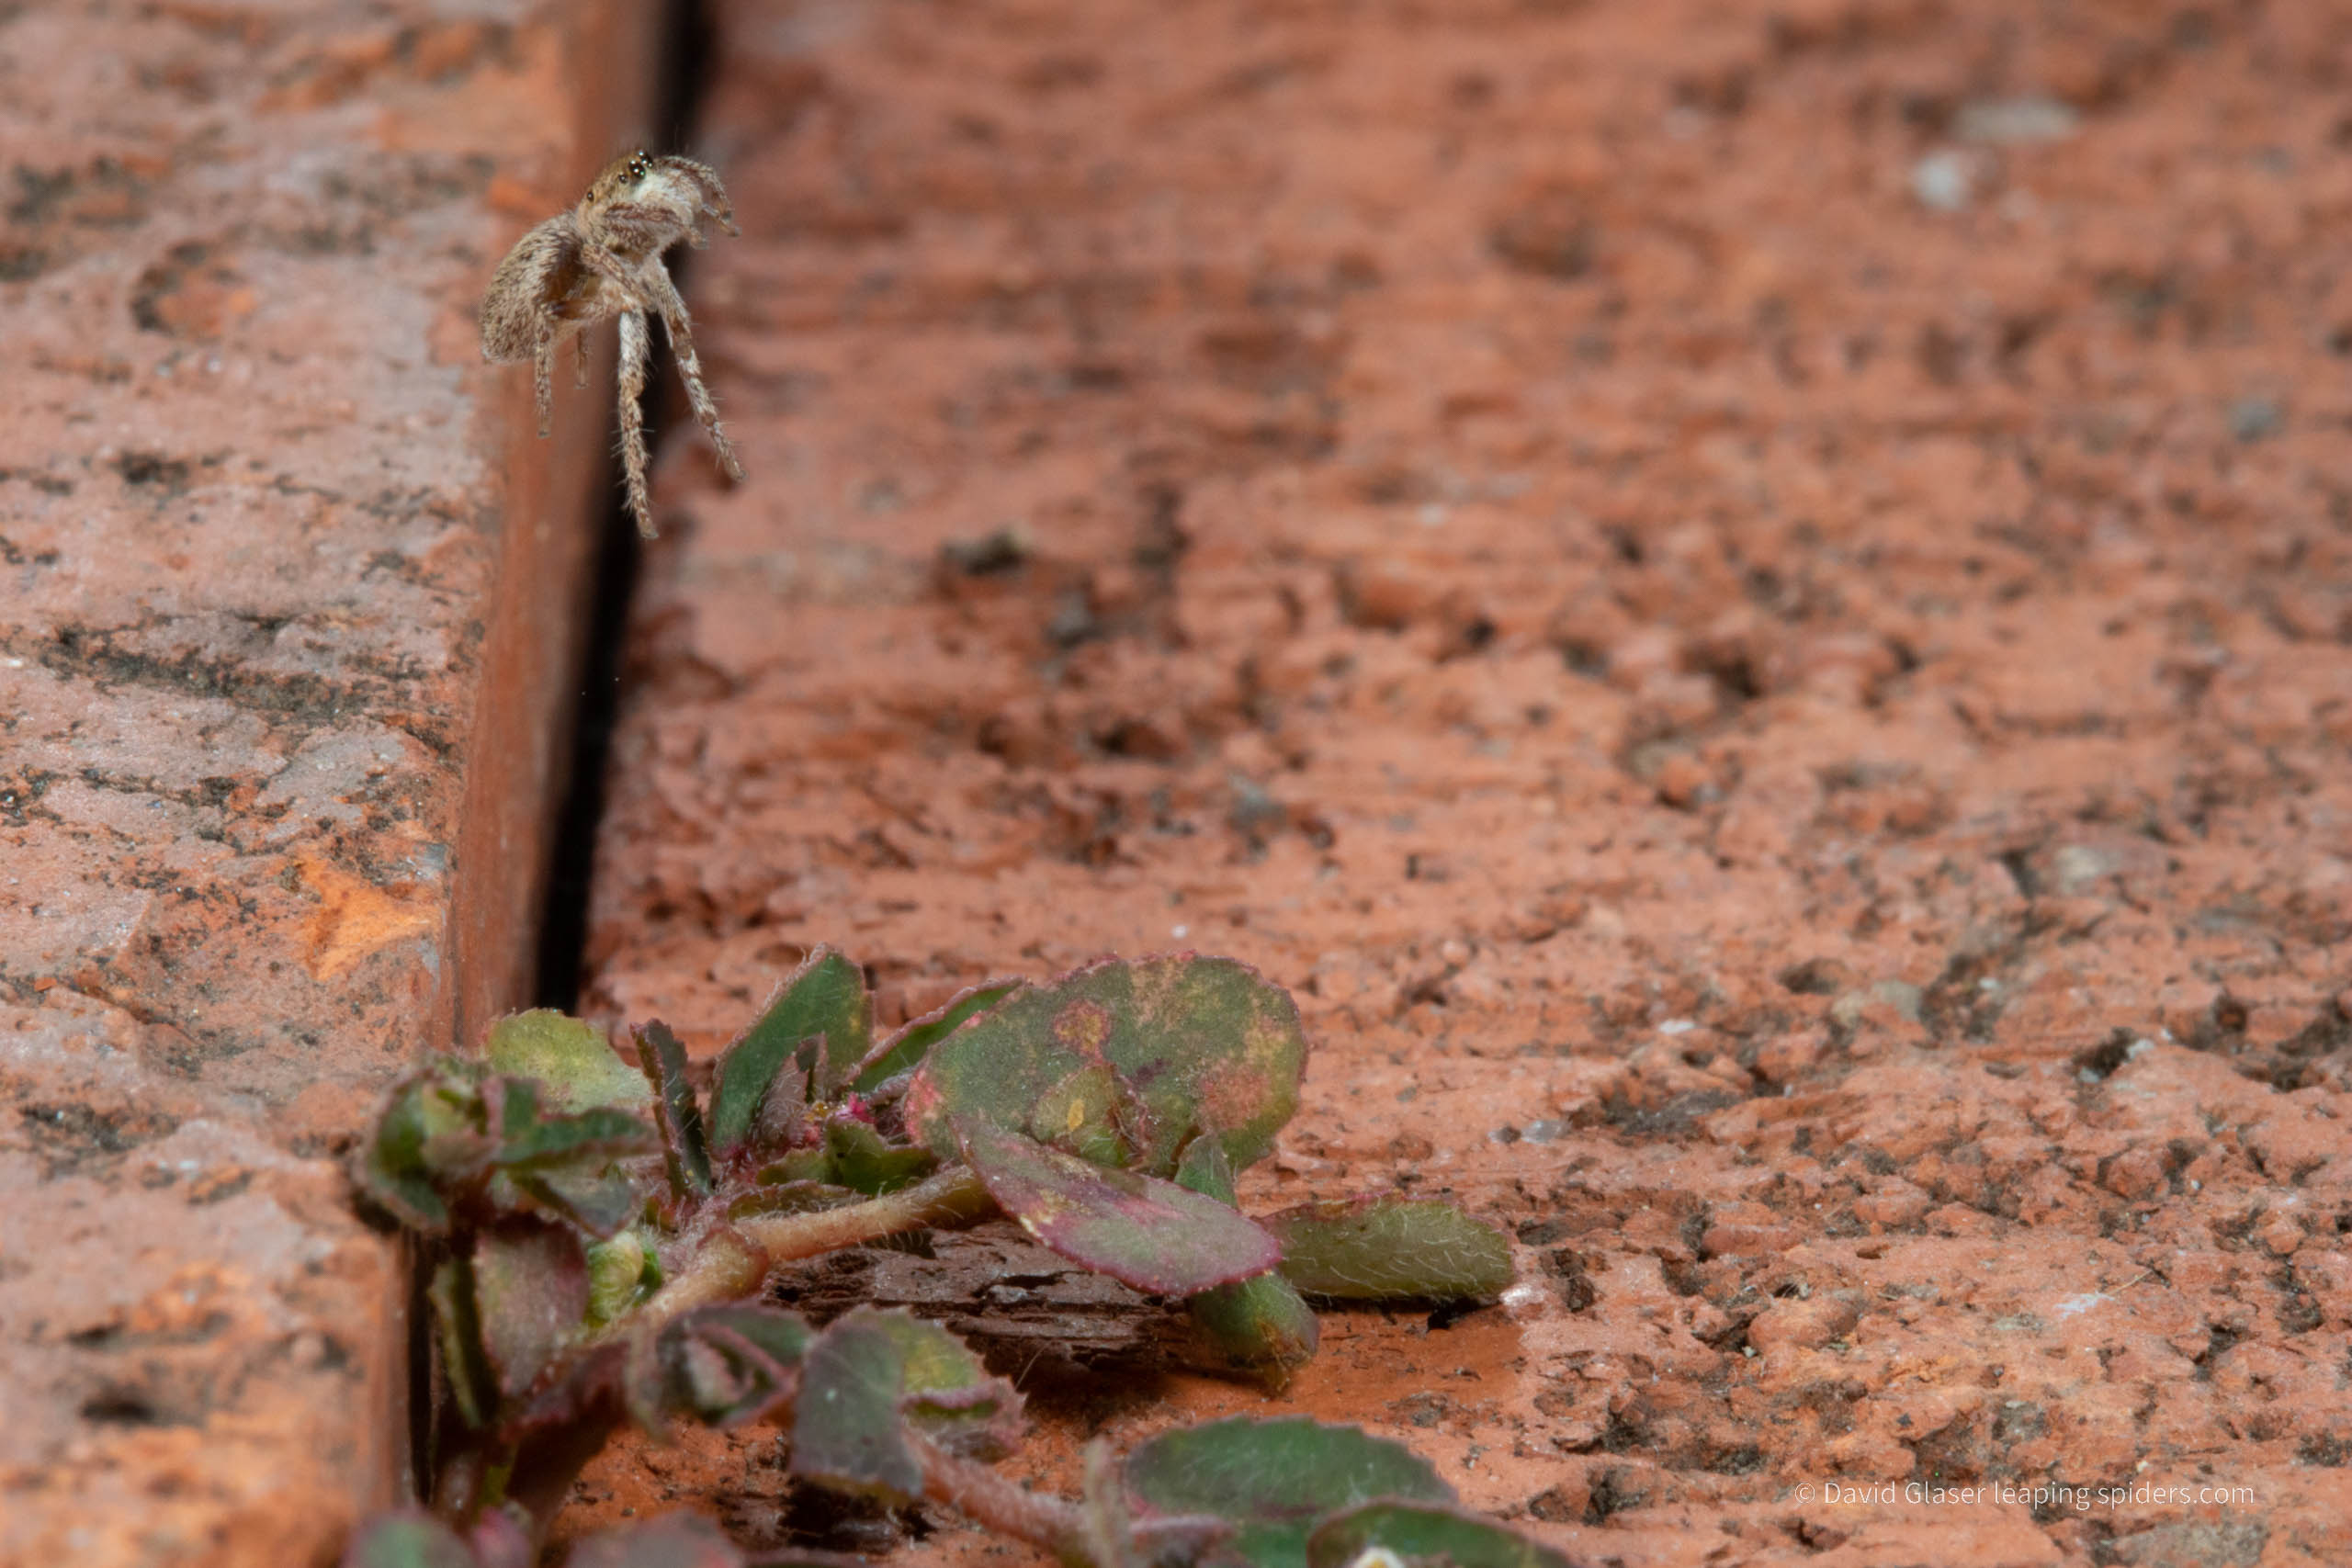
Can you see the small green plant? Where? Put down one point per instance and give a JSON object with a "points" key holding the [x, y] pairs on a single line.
{"points": [[599, 1234]]}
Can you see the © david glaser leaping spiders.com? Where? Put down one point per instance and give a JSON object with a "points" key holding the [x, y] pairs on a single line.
{"points": [[603, 258]]}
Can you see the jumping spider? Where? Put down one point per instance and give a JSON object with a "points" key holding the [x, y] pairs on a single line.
{"points": [[603, 258]]}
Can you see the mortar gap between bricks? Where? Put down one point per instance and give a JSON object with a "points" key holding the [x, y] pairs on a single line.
{"points": [[682, 77]]}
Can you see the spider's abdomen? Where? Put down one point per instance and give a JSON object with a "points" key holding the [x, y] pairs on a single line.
{"points": [[540, 280]]}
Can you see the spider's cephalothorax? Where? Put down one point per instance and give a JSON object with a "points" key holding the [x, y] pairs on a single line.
{"points": [[603, 258]]}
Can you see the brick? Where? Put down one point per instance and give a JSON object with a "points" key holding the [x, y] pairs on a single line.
{"points": [[292, 592]]}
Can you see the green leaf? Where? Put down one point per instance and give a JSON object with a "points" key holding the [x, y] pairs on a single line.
{"points": [[1426, 1533], [796, 1197], [857, 1157], [572, 1059], [734, 1363], [870, 1376], [1260, 1324], [674, 1540], [947, 1394], [457, 1326], [530, 1136], [430, 1150], [727, 1268], [531, 1292], [675, 1110], [782, 1119], [825, 997], [599, 1200], [394, 1170], [907, 1048], [1143, 1232], [408, 1538], [1191, 1046], [1389, 1248], [563, 1163], [617, 1277], [1275, 1479], [1206, 1169], [797, 1166]]}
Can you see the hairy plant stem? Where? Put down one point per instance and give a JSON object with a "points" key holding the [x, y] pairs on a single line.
{"points": [[947, 1198], [729, 1261], [1095, 1533], [997, 1501]]}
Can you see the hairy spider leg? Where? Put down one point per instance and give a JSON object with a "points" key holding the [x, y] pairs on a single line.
{"points": [[680, 326], [580, 359], [636, 343], [543, 377], [650, 280]]}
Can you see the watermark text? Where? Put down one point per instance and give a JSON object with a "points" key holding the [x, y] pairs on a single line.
{"points": [[2040, 1497]]}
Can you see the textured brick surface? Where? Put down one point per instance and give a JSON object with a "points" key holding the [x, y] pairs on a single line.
{"points": [[285, 589], [1750, 600]]}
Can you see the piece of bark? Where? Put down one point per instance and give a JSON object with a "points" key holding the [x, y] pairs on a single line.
{"points": [[1007, 1295]]}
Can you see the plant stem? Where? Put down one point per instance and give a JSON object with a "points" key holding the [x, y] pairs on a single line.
{"points": [[731, 1260], [722, 1267], [952, 1195], [998, 1502], [1097, 1534]]}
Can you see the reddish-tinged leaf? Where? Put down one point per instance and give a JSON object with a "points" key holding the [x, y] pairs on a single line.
{"points": [[430, 1148], [824, 997], [735, 1363], [1191, 1045], [674, 1540], [500, 1540], [1274, 1479], [846, 1430], [675, 1110], [531, 1290], [1426, 1535], [393, 1168], [871, 1376], [1386, 1248], [584, 1386], [905, 1050], [1143, 1232]]}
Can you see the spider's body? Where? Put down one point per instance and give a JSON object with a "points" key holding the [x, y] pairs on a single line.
{"points": [[603, 258]]}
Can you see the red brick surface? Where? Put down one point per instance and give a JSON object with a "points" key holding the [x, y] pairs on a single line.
{"points": [[285, 589], [1752, 601]]}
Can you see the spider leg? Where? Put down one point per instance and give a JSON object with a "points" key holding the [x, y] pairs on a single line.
{"points": [[635, 343], [680, 327], [580, 359], [543, 379]]}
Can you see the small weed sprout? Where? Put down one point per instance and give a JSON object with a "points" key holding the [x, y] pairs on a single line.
{"points": [[601, 1231]]}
